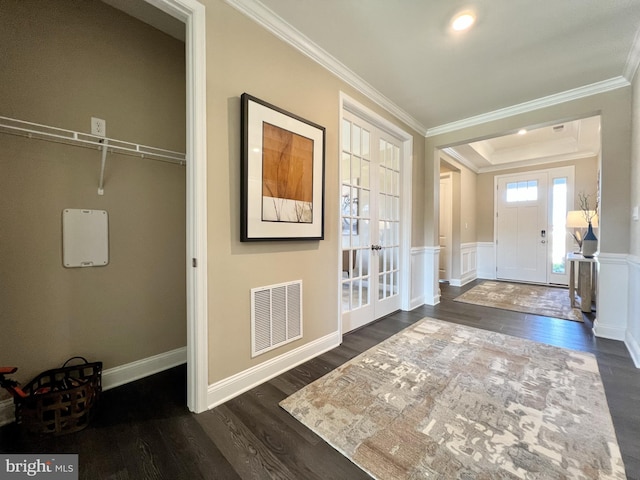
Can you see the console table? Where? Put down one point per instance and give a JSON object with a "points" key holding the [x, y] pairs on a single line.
{"points": [[587, 272]]}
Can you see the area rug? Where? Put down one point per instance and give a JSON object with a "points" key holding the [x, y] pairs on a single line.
{"points": [[520, 297], [445, 401]]}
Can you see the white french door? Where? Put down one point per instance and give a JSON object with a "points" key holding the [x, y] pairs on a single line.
{"points": [[370, 214], [531, 237]]}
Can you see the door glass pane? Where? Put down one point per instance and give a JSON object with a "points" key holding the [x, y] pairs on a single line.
{"points": [[356, 294], [524, 191], [558, 232], [346, 135], [355, 144], [355, 214], [365, 173], [346, 168], [355, 170], [366, 147], [346, 296]]}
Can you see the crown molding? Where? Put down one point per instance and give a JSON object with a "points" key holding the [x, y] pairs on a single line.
{"points": [[536, 162], [284, 31], [548, 101], [460, 159]]}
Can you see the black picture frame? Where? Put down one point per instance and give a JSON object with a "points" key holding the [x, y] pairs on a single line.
{"points": [[282, 171]]}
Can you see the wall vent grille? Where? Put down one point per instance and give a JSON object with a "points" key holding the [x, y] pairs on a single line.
{"points": [[276, 316]]}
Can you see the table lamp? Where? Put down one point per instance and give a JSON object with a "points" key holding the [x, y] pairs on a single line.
{"points": [[577, 222]]}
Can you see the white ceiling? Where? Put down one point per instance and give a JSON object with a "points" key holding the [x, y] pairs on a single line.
{"points": [[520, 54], [574, 140], [518, 51]]}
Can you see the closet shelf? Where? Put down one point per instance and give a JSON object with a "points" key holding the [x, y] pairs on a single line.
{"points": [[60, 135]]}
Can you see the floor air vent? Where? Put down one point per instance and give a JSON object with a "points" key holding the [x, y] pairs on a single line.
{"points": [[276, 316]]}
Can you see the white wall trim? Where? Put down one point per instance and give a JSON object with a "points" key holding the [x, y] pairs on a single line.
{"points": [[632, 337], [486, 260], [417, 277], [431, 275], [612, 296], [130, 372], [634, 348], [117, 376], [544, 102], [192, 13], [284, 31], [239, 383], [468, 264]]}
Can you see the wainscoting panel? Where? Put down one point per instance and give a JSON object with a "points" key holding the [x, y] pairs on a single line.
{"points": [[612, 296], [431, 275], [468, 264], [632, 339], [418, 259], [486, 260]]}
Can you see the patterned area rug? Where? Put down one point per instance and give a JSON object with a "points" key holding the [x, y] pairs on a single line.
{"points": [[520, 297], [444, 401]]}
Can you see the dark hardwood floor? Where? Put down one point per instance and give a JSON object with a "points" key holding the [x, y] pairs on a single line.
{"points": [[144, 431]]}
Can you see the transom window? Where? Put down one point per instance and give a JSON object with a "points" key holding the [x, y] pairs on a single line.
{"points": [[522, 191]]}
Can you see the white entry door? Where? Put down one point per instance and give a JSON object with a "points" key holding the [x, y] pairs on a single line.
{"points": [[522, 232], [370, 211]]}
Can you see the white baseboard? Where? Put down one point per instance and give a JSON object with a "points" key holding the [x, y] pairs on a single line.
{"points": [[130, 372], [416, 302], [634, 349], [233, 386], [114, 377]]}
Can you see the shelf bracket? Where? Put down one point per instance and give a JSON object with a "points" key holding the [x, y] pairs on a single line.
{"points": [[104, 162]]}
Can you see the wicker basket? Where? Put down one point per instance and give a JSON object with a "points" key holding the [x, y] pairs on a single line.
{"points": [[61, 400]]}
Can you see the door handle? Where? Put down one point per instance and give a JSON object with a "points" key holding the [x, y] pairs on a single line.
{"points": [[543, 233], [376, 247]]}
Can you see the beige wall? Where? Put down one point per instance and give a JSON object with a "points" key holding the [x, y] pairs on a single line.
{"points": [[634, 264], [615, 110], [586, 174], [244, 57], [464, 208], [635, 169], [64, 61]]}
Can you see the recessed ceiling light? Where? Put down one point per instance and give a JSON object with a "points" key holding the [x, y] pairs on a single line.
{"points": [[463, 21], [522, 131]]}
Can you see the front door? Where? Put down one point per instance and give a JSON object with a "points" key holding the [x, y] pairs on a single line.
{"points": [[370, 211], [522, 232]]}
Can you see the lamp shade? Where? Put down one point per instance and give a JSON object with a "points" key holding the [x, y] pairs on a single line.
{"points": [[576, 219]]}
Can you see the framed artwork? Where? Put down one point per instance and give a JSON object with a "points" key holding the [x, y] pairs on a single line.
{"points": [[282, 191]]}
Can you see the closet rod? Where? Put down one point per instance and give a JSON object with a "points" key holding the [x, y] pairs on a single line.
{"points": [[70, 137]]}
